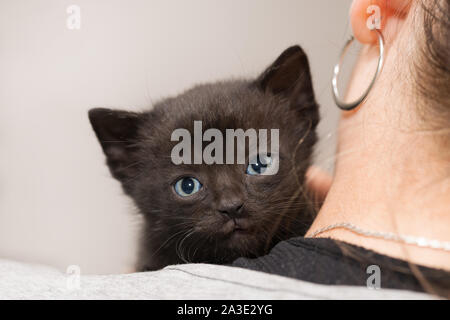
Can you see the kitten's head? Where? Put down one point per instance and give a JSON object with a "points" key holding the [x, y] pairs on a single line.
{"points": [[217, 212]]}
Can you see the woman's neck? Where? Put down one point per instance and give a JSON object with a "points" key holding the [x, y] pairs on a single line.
{"points": [[388, 179], [391, 174]]}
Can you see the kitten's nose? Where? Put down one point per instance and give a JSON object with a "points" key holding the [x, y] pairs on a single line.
{"points": [[231, 208]]}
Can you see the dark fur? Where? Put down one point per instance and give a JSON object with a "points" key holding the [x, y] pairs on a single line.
{"points": [[176, 230]]}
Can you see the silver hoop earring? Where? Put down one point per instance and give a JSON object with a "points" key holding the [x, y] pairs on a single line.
{"points": [[351, 105]]}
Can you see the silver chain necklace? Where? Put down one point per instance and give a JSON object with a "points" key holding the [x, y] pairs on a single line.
{"points": [[412, 240]]}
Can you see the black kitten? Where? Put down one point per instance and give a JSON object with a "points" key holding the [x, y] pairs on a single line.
{"points": [[219, 212]]}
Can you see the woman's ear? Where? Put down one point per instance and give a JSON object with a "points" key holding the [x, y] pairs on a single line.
{"points": [[379, 13]]}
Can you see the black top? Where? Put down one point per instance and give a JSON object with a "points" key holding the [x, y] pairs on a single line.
{"points": [[332, 262]]}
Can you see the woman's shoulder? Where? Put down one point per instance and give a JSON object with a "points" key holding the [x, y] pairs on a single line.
{"points": [[328, 261]]}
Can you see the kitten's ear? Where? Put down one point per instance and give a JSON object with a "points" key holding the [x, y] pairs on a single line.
{"points": [[117, 132], [288, 75]]}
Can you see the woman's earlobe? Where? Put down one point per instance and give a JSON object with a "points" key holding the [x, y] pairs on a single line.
{"points": [[368, 14], [365, 13]]}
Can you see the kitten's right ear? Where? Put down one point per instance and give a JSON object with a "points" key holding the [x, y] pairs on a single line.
{"points": [[117, 132]]}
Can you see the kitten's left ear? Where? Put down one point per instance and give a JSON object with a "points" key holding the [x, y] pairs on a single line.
{"points": [[289, 76]]}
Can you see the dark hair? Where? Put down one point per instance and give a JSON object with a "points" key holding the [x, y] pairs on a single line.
{"points": [[431, 70], [432, 62]]}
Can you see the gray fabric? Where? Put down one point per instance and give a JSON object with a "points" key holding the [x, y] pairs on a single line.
{"points": [[189, 281]]}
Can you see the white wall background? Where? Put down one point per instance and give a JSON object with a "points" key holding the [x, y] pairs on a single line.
{"points": [[58, 203]]}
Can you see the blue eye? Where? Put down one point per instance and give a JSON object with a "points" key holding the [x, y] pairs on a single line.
{"points": [[187, 186], [259, 167]]}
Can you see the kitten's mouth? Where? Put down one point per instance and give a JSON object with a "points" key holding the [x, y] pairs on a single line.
{"points": [[239, 232], [239, 229], [236, 226]]}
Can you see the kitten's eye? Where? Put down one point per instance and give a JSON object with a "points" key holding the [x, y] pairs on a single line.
{"points": [[260, 165], [186, 187]]}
